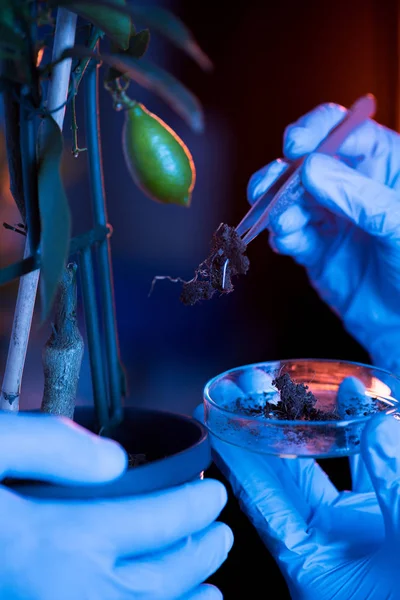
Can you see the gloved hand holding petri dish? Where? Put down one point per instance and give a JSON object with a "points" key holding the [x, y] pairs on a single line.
{"points": [[298, 408]]}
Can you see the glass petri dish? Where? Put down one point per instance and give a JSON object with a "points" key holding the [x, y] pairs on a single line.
{"points": [[353, 391]]}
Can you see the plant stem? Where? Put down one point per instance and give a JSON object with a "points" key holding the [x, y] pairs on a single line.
{"points": [[58, 91], [74, 127], [81, 67], [63, 352], [59, 85], [88, 287], [104, 255], [78, 73]]}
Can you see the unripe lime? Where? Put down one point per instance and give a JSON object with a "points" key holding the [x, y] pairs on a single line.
{"points": [[158, 160]]}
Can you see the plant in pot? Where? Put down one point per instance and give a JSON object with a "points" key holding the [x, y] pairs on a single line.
{"points": [[51, 51]]}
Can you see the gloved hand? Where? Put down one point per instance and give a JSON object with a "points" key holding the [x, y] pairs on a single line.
{"points": [[160, 546], [346, 230], [328, 545]]}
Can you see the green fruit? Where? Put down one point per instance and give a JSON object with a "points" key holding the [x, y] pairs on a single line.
{"points": [[159, 162]]}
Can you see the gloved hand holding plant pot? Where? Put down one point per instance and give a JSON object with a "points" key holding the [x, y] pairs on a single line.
{"points": [[76, 523], [158, 546]]}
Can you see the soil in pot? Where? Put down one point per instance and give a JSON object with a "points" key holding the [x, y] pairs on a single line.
{"points": [[135, 460], [166, 449]]}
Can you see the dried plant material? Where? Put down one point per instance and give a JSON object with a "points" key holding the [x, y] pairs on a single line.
{"points": [[296, 403], [227, 259]]}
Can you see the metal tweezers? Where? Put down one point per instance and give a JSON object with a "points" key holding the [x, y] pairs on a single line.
{"points": [[287, 189]]}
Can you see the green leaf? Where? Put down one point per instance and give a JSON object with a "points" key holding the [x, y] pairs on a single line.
{"points": [[165, 85], [112, 17], [15, 17], [157, 19], [153, 78], [138, 45], [10, 39], [18, 269], [54, 212], [171, 27], [14, 49], [7, 13]]}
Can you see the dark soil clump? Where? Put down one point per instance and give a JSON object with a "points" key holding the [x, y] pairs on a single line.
{"points": [[135, 460], [215, 274], [296, 403]]}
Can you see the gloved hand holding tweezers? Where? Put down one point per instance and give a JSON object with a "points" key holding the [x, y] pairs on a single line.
{"points": [[281, 188]]}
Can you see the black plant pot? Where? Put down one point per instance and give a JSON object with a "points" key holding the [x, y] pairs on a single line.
{"points": [[176, 446]]}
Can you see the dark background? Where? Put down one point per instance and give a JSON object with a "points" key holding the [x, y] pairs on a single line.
{"points": [[273, 62]]}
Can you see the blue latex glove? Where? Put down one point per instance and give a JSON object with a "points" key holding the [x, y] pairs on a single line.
{"points": [[346, 230], [328, 545], [160, 546]]}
